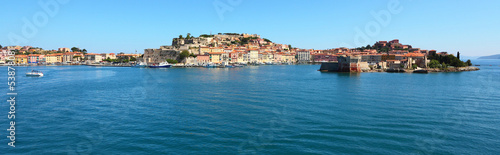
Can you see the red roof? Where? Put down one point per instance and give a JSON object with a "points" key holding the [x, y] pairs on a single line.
{"points": [[215, 52]]}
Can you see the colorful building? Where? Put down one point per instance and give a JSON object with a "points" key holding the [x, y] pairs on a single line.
{"points": [[35, 58], [215, 57], [108, 55], [288, 58], [54, 58], [21, 59], [203, 59], [72, 57], [203, 50]]}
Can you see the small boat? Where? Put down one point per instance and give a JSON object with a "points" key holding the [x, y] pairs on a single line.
{"points": [[210, 65], [35, 73], [141, 65], [161, 65], [420, 71]]}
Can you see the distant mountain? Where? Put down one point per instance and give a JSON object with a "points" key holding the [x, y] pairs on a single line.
{"points": [[497, 56]]}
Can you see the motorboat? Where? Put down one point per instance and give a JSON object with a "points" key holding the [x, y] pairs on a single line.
{"points": [[210, 65], [34, 73], [141, 65], [161, 65]]}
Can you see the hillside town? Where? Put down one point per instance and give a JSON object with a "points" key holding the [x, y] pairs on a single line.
{"points": [[26, 55], [247, 49], [233, 48]]}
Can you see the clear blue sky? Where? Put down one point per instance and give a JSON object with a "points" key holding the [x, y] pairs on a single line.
{"points": [[471, 27]]}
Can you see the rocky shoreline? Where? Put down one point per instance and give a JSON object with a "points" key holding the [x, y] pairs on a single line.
{"points": [[427, 70], [456, 69]]}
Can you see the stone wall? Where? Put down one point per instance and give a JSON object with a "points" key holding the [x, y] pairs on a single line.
{"points": [[160, 55], [329, 67]]}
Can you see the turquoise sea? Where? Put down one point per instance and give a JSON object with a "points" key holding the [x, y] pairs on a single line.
{"points": [[252, 110]]}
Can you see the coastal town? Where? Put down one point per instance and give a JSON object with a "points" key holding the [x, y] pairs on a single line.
{"points": [[224, 49]]}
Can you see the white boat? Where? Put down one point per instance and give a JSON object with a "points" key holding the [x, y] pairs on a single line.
{"points": [[141, 64], [210, 65], [35, 73], [161, 65]]}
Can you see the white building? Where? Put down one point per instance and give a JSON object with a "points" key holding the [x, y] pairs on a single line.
{"points": [[253, 56], [303, 56], [93, 58]]}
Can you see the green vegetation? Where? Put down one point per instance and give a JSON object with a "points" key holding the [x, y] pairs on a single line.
{"points": [[434, 64], [184, 54], [414, 66], [444, 65], [245, 40], [188, 36], [231, 34], [267, 40], [180, 36], [17, 52], [206, 36], [448, 60], [1, 46], [121, 60], [380, 48], [133, 59], [468, 63], [172, 61], [75, 49], [107, 59]]}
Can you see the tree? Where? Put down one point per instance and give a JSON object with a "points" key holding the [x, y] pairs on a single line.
{"points": [[133, 59], [188, 36], [180, 36], [444, 65], [458, 55], [184, 54], [75, 49], [267, 40], [448, 59], [172, 61], [0, 46], [384, 50], [289, 46], [434, 64], [414, 66], [468, 63], [84, 51]]}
